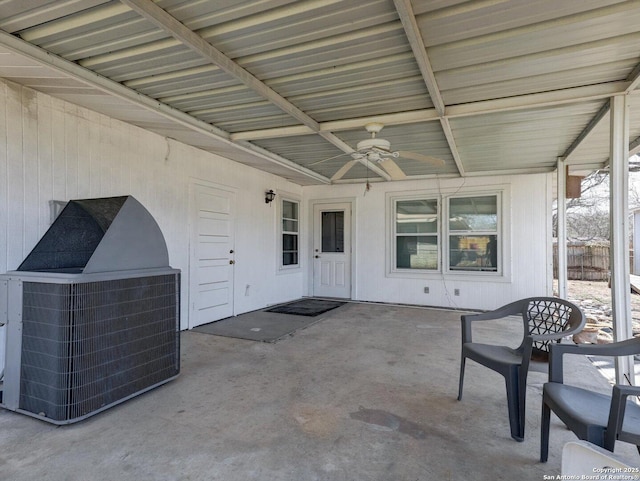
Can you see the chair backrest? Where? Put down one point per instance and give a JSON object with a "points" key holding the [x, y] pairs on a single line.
{"points": [[547, 315]]}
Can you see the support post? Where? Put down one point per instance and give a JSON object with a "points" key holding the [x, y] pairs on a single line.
{"points": [[619, 232], [562, 228], [636, 243]]}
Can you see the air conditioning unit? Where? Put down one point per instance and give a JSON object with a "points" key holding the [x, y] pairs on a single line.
{"points": [[91, 315]]}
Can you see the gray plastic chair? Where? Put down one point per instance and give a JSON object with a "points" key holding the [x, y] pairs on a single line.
{"points": [[601, 419], [545, 320]]}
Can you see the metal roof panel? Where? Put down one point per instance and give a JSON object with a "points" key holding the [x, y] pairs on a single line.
{"points": [[520, 80]]}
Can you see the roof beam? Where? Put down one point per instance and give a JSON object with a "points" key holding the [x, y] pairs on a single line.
{"points": [[634, 79], [195, 42], [634, 146], [106, 85], [408, 19], [593, 123], [546, 99], [190, 39], [412, 31], [118, 90], [412, 117], [446, 127]]}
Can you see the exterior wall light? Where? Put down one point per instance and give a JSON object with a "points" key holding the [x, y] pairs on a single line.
{"points": [[269, 196]]}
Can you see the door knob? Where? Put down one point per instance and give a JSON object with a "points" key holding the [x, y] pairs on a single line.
{"points": [[317, 257], [231, 261], [231, 251]]}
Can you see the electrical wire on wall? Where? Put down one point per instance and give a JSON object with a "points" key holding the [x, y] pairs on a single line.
{"points": [[447, 293], [367, 186]]}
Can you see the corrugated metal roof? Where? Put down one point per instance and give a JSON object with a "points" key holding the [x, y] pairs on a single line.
{"points": [[281, 85]]}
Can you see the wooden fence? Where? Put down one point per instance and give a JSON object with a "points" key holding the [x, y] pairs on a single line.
{"points": [[586, 262]]}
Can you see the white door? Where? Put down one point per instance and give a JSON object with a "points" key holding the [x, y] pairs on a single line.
{"points": [[212, 255], [332, 250]]}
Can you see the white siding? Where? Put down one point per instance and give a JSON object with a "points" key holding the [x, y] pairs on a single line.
{"points": [[54, 150], [528, 225]]}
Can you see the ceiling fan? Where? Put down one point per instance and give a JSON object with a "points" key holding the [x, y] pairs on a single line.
{"points": [[377, 150]]}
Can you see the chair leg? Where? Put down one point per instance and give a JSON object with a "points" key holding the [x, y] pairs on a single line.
{"points": [[462, 364], [516, 420], [544, 432]]}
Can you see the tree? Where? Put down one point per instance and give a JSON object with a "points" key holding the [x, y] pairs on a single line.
{"points": [[588, 215]]}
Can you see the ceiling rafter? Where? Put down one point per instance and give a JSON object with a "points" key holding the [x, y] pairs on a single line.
{"points": [[634, 146], [446, 127], [633, 80], [412, 31], [196, 43], [544, 99], [105, 85], [591, 66], [519, 102], [595, 121], [118, 90]]}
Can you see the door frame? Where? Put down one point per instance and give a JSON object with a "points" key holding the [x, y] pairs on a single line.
{"points": [[352, 201], [193, 241]]}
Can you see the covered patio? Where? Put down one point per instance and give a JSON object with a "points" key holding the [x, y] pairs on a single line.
{"points": [[401, 117], [491, 101], [368, 394]]}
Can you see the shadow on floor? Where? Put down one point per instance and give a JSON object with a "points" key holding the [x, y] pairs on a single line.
{"points": [[368, 394]]}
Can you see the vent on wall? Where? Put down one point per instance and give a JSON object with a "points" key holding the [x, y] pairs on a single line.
{"points": [[80, 342]]}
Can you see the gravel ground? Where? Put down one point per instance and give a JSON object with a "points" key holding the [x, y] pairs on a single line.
{"points": [[595, 300]]}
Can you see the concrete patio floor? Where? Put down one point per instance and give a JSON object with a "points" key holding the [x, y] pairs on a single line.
{"points": [[368, 393]]}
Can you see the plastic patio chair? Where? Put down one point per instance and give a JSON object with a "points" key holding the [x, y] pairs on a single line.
{"points": [[601, 419], [546, 320]]}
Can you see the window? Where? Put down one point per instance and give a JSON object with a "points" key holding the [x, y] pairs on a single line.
{"points": [[290, 233], [473, 233], [446, 234], [416, 234], [333, 231]]}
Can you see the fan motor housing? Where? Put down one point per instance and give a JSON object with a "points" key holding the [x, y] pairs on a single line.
{"points": [[373, 143]]}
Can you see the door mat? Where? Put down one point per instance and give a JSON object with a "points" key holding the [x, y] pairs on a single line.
{"points": [[264, 326], [307, 307]]}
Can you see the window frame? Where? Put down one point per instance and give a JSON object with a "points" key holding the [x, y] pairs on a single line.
{"points": [[281, 232], [395, 234], [448, 233], [503, 272]]}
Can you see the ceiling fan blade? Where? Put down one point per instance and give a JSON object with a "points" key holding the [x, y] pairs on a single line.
{"points": [[420, 157], [392, 169], [328, 158], [344, 169]]}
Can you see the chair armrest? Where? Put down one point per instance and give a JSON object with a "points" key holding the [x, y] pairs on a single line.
{"points": [[619, 396], [511, 309], [627, 347], [627, 390]]}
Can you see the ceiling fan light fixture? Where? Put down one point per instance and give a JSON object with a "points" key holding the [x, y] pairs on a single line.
{"points": [[373, 156], [378, 151]]}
